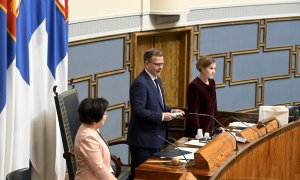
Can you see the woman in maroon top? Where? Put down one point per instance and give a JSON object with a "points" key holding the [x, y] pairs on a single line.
{"points": [[201, 98]]}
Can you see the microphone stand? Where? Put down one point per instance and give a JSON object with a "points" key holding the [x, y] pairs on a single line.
{"points": [[265, 121], [180, 152], [207, 115], [244, 124]]}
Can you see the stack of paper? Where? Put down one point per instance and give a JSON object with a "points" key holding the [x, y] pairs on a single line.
{"points": [[195, 143], [242, 125], [187, 156]]}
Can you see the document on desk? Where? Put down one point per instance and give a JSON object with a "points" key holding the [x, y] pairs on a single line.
{"points": [[196, 142], [170, 152], [242, 125], [188, 156], [239, 139]]}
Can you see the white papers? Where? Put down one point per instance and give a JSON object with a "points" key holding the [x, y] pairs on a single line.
{"points": [[236, 130], [281, 113], [239, 124], [187, 156], [239, 139], [178, 114], [189, 149], [195, 143]]}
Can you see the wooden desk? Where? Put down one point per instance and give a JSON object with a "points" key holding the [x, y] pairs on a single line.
{"points": [[162, 170], [273, 156]]}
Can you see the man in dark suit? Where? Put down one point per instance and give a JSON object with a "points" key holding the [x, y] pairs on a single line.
{"points": [[149, 114]]}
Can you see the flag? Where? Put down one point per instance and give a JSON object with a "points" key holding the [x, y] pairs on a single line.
{"points": [[3, 53], [34, 59], [3, 60]]}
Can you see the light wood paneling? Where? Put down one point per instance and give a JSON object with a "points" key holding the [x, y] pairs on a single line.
{"points": [[176, 73], [275, 156]]}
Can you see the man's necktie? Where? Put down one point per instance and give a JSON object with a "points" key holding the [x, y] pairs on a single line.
{"points": [[158, 90]]}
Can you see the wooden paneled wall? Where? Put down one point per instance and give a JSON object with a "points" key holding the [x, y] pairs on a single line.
{"points": [[257, 64]]}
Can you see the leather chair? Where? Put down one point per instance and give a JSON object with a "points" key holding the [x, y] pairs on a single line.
{"points": [[293, 113], [67, 104], [19, 174]]}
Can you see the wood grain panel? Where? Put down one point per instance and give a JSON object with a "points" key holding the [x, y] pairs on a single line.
{"points": [[172, 67], [143, 44], [275, 156], [176, 73]]}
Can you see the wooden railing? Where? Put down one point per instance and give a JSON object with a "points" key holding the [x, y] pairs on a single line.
{"points": [[274, 156], [176, 127]]}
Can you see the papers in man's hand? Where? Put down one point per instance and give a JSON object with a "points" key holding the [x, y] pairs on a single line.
{"points": [[195, 143], [178, 114]]}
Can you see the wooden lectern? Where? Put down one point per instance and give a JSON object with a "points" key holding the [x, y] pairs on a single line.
{"points": [[215, 152], [187, 176], [273, 156], [255, 132]]}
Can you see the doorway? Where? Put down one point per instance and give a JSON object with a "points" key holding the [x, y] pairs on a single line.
{"points": [[176, 45]]}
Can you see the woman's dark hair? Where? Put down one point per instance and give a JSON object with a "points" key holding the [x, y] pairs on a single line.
{"points": [[92, 110]]}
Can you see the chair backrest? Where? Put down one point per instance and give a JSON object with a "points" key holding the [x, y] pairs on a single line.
{"points": [[293, 112], [19, 174], [67, 104]]}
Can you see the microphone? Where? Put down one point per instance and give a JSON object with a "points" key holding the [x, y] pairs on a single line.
{"points": [[208, 115], [216, 132], [180, 152], [264, 121], [243, 123]]}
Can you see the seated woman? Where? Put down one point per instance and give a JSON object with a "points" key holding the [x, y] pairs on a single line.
{"points": [[91, 150]]}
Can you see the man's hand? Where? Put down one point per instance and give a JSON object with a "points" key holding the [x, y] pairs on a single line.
{"points": [[178, 112], [169, 116]]}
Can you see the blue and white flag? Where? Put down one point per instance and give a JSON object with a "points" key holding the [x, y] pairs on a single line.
{"points": [[34, 58], [3, 67]]}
